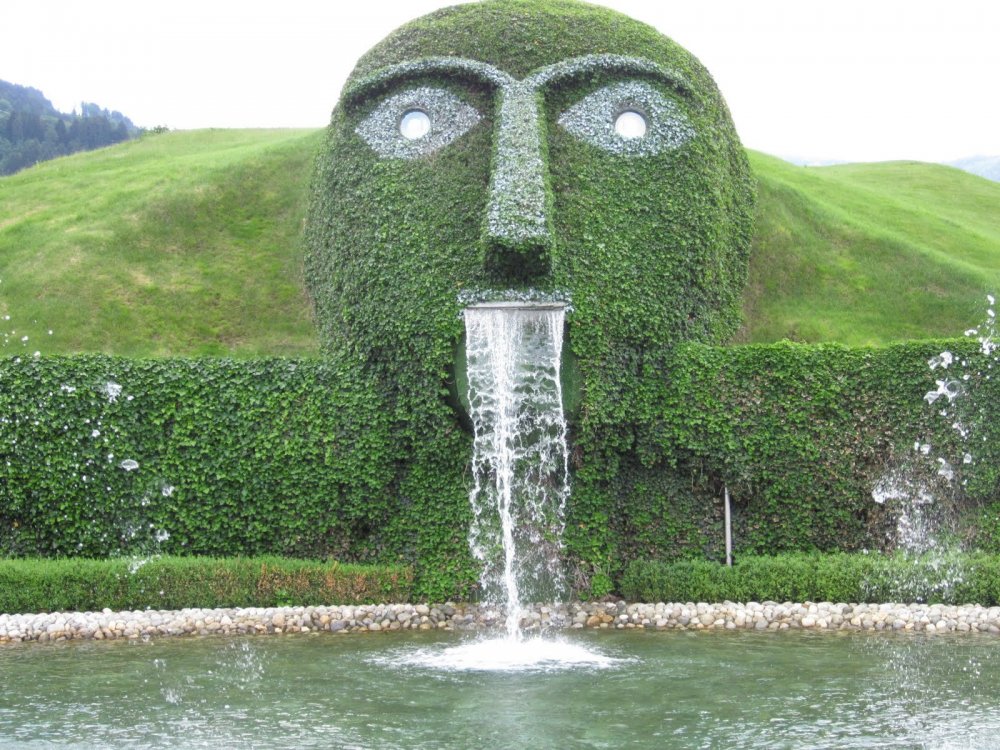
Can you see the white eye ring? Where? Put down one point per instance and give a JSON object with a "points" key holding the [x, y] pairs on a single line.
{"points": [[631, 124], [414, 124], [631, 118]]}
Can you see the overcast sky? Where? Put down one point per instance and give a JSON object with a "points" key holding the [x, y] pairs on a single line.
{"points": [[853, 80]]}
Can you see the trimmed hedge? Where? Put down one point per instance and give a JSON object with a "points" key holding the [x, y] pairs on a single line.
{"points": [[267, 457], [801, 435], [197, 582], [230, 458], [850, 578]]}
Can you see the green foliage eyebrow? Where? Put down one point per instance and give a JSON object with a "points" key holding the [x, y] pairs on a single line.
{"points": [[497, 78], [620, 64], [426, 67]]}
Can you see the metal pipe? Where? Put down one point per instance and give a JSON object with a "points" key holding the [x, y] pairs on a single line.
{"points": [[729, 532]]}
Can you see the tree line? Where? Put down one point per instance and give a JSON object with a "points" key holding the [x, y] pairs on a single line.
{"points": [[32, 130]]}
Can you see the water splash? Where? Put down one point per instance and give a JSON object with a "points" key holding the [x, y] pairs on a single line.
{"points": [[13, 337], [924, 487], [503, 655], [919, 485], [241, 667], [112, 391], [911, 493], [520, 457]]}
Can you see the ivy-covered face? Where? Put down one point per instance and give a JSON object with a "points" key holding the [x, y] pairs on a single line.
{"points": [[529, 150], [641, 115]]}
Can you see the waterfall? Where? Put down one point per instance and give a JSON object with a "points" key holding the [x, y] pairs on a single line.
{"points": [[520, 466]]}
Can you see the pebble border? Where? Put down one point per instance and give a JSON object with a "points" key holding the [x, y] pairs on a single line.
{"points": [[371, 618]]}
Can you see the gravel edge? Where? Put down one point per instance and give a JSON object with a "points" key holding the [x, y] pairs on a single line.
{"points": [[375, 618]]}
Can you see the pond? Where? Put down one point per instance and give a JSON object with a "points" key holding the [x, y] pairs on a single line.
{"points": [[630, 689]]}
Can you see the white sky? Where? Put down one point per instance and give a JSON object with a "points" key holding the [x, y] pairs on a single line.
{"points": [[853, 80]]}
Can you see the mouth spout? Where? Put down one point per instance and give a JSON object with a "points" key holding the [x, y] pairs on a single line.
{"points": [[526, 305], [532, 313]]}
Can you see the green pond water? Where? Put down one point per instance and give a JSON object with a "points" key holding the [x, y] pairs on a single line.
{"points": [[609, 690]]}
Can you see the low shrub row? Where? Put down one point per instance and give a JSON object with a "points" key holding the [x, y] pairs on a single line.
{"points": [[854, 578], [38, 585], [34, 585]]}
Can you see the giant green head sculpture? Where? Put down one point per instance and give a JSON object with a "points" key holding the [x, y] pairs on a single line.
{"points": [[532, 149]]}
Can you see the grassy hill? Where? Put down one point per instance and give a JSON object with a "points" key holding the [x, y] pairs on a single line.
{"points": [[870, 253], [188, 243], [181, 243]]}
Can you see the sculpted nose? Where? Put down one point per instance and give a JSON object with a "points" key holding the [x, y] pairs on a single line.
{"points": [[518, 234]]}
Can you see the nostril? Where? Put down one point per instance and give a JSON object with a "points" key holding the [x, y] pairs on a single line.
{"points": [[517, 262]]}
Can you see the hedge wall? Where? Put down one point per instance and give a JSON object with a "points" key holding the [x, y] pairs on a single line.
{"points": [[234, 458], [800, 435], [281, 457]]}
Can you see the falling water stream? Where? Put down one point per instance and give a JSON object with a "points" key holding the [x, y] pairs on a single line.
{"points": [[520, 458], [520, 466]]}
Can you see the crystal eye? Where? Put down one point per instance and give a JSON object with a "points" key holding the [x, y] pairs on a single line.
{"points": [[632, 118], [416, 122], [630, 124]]}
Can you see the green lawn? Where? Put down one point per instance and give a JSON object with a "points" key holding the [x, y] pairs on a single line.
{"points": [[188, 243]]}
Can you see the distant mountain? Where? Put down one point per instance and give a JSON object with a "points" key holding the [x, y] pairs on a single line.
{"points": [[14, 98], [984, 166], [32, 130]]}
